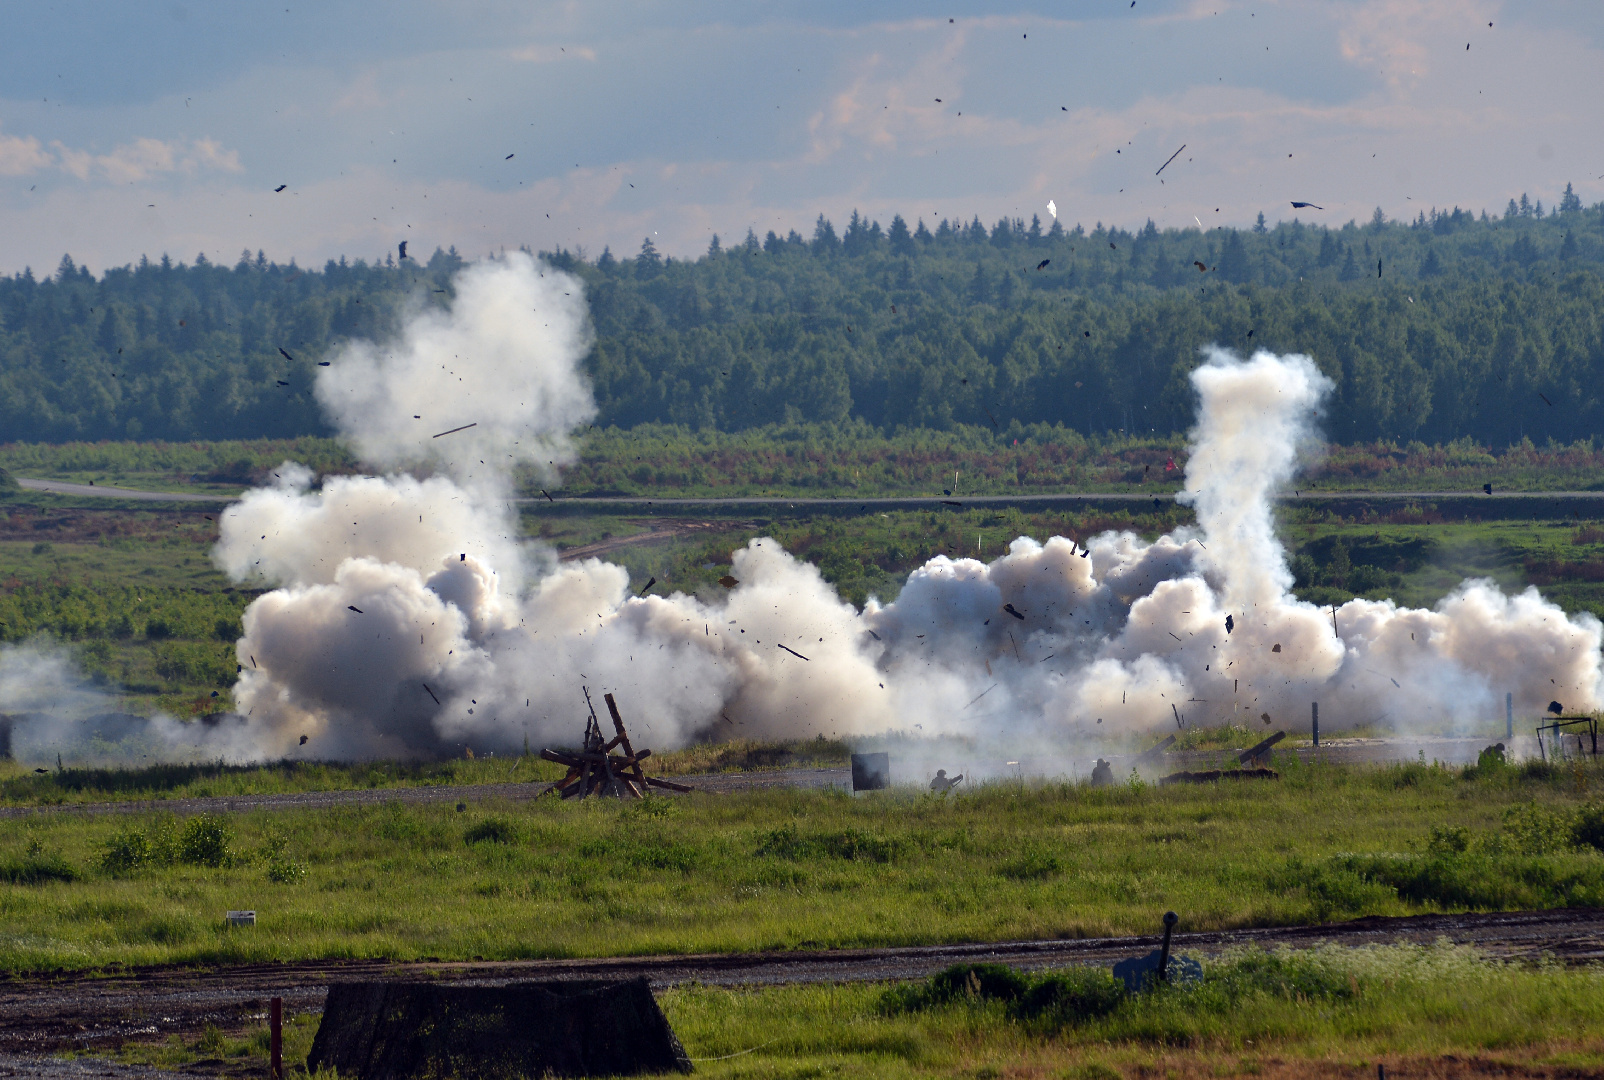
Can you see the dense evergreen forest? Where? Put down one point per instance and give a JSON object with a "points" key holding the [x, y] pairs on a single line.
{"points": [[1451, 326]]}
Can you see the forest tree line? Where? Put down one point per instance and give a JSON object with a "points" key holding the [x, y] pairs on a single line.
{"points": [[1454, 325]]}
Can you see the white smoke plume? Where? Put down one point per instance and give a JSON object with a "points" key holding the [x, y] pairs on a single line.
{"points": [[408, 618]]}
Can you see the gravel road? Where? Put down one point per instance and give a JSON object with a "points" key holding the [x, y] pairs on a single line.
{"points": [[45, 1013]]}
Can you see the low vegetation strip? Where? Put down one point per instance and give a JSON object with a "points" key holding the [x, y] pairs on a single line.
{"points": [[1416, 1010], [790, 869]]}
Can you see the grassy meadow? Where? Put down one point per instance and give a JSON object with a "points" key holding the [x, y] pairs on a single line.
{"points": [[835, 460], [794, 869]]}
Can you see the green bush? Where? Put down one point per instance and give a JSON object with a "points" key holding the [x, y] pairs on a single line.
{"points": [[960, 982], [1587, 830], [35, 869], [204, 841], [284, 872], [1072, 996], [496, 830], [126, 850]]}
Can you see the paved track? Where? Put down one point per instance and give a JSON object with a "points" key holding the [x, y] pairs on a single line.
{"points": [[61, 487], [52, 1012]]}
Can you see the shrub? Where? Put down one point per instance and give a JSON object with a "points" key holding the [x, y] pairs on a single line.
{"points": [[204, 841], [35, 869], [1448, 840], [961, 982], [128, 849], [1587, 830], [496, 830], [1072, 996], [284, 872]]}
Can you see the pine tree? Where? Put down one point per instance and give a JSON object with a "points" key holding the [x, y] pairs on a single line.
{"points": [[901, 241], [1258, 226]]}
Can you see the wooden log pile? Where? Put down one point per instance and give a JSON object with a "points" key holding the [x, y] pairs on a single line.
{"points": [[597, 770]]}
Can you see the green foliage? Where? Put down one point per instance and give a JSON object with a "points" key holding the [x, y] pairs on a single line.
{"points": [[204, 840], [1071, 997], [973, 982], [1587, 828], [1475, 319], [1033, 865], [495, 830], [36, 868], [126, 850], [788, 842]]}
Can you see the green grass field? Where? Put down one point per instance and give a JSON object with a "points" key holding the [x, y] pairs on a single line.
{"points": [[1255, 1013], [793, 869]]}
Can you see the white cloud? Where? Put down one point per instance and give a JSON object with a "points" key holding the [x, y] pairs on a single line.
{"points": [[20, 155], [144, 159]]}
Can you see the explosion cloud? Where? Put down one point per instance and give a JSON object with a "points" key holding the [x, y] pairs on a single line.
{"points": [[408, 618]]}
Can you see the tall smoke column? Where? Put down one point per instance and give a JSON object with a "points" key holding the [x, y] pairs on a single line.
{"points": [[1255, 419]]}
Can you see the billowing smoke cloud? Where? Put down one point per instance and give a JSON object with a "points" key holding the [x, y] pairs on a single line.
{"points": [[408, 618]]}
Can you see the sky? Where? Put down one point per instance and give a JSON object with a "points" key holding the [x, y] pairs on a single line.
{"points": [[148, 128]]}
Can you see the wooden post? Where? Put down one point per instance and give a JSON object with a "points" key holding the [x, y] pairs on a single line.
{"points": [[275, 1039], [1314, 711], [1509, 716], [1170, 919], [1258, 751]]}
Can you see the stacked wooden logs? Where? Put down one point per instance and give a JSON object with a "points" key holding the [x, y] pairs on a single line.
{"points": [[597, 770]]}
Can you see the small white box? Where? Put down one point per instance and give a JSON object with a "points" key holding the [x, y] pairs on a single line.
{"points": [[241, 918]]}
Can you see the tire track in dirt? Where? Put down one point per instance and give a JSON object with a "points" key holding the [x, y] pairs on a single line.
{"points": [[46, 1012]]}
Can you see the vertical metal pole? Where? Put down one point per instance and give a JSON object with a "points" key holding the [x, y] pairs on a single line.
{"points": [[1314, 708], [275, 1042], [1509, 716]]}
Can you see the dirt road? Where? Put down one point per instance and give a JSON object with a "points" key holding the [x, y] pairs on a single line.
{"points": [[44, 1013]]}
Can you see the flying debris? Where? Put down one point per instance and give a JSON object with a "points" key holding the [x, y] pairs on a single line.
{"points": [[323, 363], [285, 355], [1043, 264], [728, 582], [507, 158], [280, 188], [403, 249], [1556, 708], [1052, 209], [1172, 157], [1010, 609], [454, 430], [281, 382], [649, 583], [793, 652], [303, 740], [353, 607], [1488, 488], [1544, 396], [1230, 624], [1200, 267], [1308, 205], [1378, 268], [426, 690], [548, 496]]}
